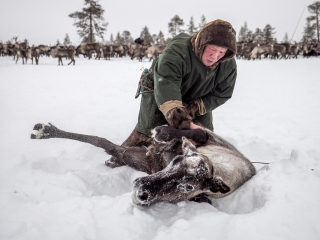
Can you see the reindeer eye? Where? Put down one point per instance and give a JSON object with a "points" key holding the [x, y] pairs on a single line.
{"points": [[189, 187], [185, 187]]}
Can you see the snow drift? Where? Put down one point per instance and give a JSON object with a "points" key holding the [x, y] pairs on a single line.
{"points": [[61, 189]]}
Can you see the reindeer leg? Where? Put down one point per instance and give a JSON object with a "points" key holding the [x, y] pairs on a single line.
{"points": [[134, 157], [50, 131], [167, 133]]}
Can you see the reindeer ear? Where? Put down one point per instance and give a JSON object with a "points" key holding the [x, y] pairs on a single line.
{"points": [[217, 185], [187, 146]]}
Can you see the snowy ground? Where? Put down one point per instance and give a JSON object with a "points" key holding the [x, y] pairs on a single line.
{"points": [[61, 189]]}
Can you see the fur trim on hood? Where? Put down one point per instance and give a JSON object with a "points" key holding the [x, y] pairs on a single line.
{"points": [[219, 33]]}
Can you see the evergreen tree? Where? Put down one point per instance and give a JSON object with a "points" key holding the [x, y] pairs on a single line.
{"points": [[242, 36], [119, 39], [249, 36], [268, 33], [258, 35], [309, 31], [66, 41], [192, 30], [58, 43], [174, 25], [111, 39], [315, 9], [146, 36], [155, 38], [86, 39], [168, 40], [127, 38], [161, 38], [286, 38], [90, 21], [202, 22]]}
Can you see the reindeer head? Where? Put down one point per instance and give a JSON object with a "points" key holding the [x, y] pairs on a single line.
{"points": [[186, 176]]}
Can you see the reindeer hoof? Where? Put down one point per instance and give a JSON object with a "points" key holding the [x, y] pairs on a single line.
{"points": [[111, 164], [43, 131]]}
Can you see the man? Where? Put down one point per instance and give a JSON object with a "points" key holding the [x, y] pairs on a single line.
{"points": [[192, 77], [139, 41]]}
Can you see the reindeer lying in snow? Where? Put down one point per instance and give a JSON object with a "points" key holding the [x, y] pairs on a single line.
{"points": [[178, 170]]}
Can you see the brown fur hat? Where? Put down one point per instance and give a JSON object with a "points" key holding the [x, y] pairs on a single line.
{"points": [[219, 33]]}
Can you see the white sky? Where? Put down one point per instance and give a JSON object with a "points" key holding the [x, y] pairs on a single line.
{"points": [[43, 22]]}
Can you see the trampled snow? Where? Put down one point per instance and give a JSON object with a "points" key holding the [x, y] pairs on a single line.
{"points": [[61, 189]]}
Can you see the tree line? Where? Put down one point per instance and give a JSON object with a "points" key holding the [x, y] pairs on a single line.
{"points": [[90, 23], [266, 35]]}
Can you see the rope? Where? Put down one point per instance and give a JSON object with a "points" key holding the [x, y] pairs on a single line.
{"points": [[123, 157], [148, 90], [260, 162]]}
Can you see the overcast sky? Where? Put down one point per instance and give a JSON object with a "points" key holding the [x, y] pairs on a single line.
{"points": [[46, 21]]}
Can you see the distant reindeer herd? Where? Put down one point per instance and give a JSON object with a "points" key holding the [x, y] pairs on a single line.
{"points": [[245, 50], [250, 50]]}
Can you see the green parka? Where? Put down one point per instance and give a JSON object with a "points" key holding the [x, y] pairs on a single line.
{"points": [[180, 75]]}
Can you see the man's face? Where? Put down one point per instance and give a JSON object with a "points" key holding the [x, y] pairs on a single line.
{"points": [[212, 54]]}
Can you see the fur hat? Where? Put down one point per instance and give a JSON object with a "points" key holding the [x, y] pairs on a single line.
{"points": [[219, 33]]}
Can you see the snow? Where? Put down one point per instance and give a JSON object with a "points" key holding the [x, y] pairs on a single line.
{"points": [[61, 189]]}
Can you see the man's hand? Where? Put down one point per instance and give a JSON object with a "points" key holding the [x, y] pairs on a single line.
{"points": [[194, 126]]}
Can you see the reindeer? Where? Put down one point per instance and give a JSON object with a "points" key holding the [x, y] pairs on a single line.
{"points": [[240, 50], [60, 53], [44, 49], [279, 50], [294, 50], [35, 53], [24, 54], [138, 51], [259, 50], [309, 50], [178, 169], [118, 50], [154, 51], [3, 49], [107, 51], [88, 48]]}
